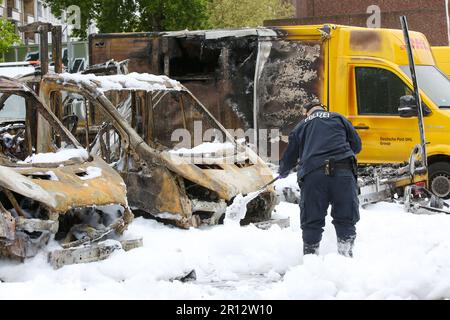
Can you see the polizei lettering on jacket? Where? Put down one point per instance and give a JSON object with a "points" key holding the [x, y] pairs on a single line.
{"points": [[317, 115]]}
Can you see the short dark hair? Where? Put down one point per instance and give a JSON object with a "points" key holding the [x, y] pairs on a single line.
{"points": [[312, 104]]}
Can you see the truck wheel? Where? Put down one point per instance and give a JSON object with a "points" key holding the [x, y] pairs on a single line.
{"points": [[439, 178]]}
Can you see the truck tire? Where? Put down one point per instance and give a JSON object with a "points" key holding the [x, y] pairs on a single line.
{"points": [[439, 179]]}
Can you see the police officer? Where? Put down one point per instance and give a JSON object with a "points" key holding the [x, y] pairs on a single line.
{"points": [[326, 144]]}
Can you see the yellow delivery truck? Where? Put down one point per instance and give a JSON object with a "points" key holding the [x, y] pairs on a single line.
{"points": [[361, 73], [442, 58], [367, 73]]}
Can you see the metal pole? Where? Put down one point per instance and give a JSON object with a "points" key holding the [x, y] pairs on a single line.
{"points": [[412, 68], [43, 49], [56, 48], [256, 94], [69, 51], [269, 183], [69, 47]]}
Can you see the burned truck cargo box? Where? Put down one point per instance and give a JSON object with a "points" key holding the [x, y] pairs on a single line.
{"points": [[217, 66], [289, 73], [137, 47], [179, 163], [50, 187]]}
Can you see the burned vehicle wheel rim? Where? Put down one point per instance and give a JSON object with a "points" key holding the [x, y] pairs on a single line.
{"points": [[440, 185]]}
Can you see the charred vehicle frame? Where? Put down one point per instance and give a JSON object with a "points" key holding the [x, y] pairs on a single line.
{"points": [[132, 129], [49, 190]]}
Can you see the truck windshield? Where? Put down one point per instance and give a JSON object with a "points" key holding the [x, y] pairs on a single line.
{"points": [[434, 83]]}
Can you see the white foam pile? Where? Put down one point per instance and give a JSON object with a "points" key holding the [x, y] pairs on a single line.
{"points": [[132, 81], [60, 156], [206, 147], [16, 71], [92, 173], [397, 255]]}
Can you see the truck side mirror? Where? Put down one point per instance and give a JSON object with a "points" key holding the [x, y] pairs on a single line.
{"points": [[408, 107]]}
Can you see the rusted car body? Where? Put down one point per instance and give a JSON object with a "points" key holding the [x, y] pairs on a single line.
{"points": [[134, 118], [50, 187]]}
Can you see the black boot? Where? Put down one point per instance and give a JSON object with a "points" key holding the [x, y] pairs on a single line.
{"points": [[311, 248], [345, 247]]}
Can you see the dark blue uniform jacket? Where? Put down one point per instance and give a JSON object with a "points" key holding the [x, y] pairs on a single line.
{"points": [[320, 136]]}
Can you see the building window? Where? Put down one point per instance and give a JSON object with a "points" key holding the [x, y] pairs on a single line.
{"points": [[17, 4], [39, 9], [379, 91]]}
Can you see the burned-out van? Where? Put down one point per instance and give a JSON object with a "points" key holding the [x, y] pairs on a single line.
{"points": [[179, 163], [50, 187]]}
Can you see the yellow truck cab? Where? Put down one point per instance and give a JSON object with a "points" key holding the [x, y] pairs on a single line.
{"points": [[442, 58], [366, 71]]}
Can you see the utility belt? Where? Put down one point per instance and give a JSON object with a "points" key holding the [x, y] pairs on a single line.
{"points": [[331, 165]]}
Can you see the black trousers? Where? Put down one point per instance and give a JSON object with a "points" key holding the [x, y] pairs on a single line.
{"points": [[318, 191]]}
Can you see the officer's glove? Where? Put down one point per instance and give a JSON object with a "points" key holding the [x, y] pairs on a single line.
{"points": [[283, 175]]}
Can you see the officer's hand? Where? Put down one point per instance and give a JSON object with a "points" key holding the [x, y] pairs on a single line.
{"points": [[283, 175]]}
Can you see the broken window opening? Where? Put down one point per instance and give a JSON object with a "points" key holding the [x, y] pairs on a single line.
{"points": [[193, 59], [20, 206], [196, 191], [177, 111], [78, 225], [12, 126], [108, 144], [82, 117], [209, 166], [24, 127]]}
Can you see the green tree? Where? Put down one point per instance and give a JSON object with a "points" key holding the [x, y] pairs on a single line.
{"points": [[109, 15], [8, 36], [116, 15], [164, 15], [88, 8], [247, 13], [136, 15]]}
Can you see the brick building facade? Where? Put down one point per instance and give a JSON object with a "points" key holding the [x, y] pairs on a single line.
{"points": [[426, 16]]}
